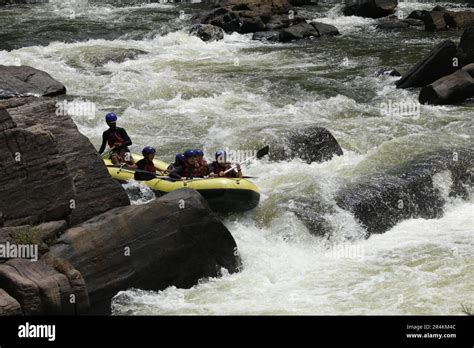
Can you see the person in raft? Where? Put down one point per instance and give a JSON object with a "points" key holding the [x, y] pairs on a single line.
{"points": [[178, 161], [118, 141], [146, 167], [202, 166], [220, 165], [189, 169]]}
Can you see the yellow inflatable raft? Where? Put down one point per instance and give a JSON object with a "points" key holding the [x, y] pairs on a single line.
{"points": [[222, 194]]}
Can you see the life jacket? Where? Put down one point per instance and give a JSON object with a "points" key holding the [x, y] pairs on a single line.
{"points": [[114, 138], [203, 168], [190, 171], [217, 168], [150, 167], [147, 165]]}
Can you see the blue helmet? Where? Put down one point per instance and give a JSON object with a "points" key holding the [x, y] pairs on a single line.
{"points": [[179, 158], [199, 153], [221, 156], [189, 154], [148, 150], [110, 117]]}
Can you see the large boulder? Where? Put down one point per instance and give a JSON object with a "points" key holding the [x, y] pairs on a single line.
{"points": [[437, 63], [8, 305], [370, 8], [298, 32], [434, 20], [25, 80], [380, 202], [35, 182], [450, 89], [466, 47], [39, 288], [64, 154], [244, 16], [459, 19], [311, 144], [175, 240], [324, 29], [207, 32]]}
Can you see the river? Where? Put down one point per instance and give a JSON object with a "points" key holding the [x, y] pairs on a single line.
{"points": [[238, 93]]}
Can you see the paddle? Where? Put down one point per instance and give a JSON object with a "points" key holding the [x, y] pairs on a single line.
{"points": [[105, 154], [260, 153]]}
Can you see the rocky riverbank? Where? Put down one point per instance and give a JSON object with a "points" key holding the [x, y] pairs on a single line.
{"points": [[57, 197]]}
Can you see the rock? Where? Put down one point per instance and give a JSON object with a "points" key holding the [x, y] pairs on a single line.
{"points": [[283, 21], [25, 80], [35, 183], [174, 240], [298, 32], [41, 235], [466, 47], [434, 21], [207, 32], [380, 202], [70, 155], [325, 29], [6, 122], [459, 19], [470, 69], [8, 305], [37, 287], [438, 8], [436, 64], [387, 72], [243, 16], [370, 8], [417, 14], [251, 25], [271, 35], [450, 89], [311, 144]]}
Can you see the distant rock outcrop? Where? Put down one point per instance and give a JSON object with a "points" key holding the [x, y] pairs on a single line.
{"points": [[24, 80], [370, 8]]}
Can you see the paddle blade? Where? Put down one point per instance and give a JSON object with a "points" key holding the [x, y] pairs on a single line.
{"points": [[263, 152]]}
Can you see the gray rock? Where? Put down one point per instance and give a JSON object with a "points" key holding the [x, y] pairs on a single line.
{"points": [[436, 64], [8, 305], [175, 240], [325, 29], [466, 47], [298, 32], [451, 89], [370, 8], [311, 144], [25, 80], [207, 32], [380, 202]]}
